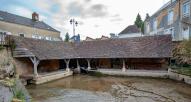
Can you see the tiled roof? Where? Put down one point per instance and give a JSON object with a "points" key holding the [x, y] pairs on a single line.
{"points": [[12, 18], [130, 29], [158, 46]]}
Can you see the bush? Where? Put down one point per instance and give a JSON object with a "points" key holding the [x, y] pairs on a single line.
{"points": [[97, 74], [1, 47], [19, 95], [18, 92], [182, 53]]}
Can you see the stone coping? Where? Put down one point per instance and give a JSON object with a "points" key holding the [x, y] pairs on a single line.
{"points": [[51, 77], [170, 74], [179, 77]]}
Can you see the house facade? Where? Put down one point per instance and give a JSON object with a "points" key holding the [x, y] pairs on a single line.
{"points": [[75, 38], [12, 24], [172, 18]]}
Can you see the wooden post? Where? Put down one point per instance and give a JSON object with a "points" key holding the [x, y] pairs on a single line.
{"points": [[35, 62], [89, 65], [78, 66], [124, 67], [67, 61]]}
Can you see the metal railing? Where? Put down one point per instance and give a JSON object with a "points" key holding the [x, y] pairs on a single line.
{"points": [[3, 38]]}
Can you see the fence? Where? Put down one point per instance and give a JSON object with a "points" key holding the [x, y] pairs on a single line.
{"points": [[2, 38]]}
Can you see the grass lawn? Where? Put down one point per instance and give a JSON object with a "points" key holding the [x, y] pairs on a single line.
{"points": [[183, 70]]}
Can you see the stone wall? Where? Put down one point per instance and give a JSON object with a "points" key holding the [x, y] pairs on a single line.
{"points": [[7, 67], [17, 90], [23, 66]]}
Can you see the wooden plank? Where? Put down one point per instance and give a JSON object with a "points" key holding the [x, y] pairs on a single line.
{"points": [[22, 56], [22, 52]]}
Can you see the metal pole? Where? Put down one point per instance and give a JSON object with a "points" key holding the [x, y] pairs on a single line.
{"points": [[73, 27]]}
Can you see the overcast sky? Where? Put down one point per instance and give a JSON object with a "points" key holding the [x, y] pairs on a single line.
{"points": [[95, 17]]}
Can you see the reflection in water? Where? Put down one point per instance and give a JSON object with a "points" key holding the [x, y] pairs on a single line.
{"points": [[82, 88]]}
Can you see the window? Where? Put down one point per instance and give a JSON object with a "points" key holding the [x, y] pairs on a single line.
{"points": [[40, 37], [35, 36], [185, 32], [170, 16], [48, 38], [186, 9], [155, 24], [170, 31], [22, 35]]}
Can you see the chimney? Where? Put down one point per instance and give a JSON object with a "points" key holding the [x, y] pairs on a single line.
{"points": [[35, 16]]}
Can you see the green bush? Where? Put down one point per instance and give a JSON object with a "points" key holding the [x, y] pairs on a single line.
{"points": [[182, 53], [1, 47], [97, 74], [19, 95]]}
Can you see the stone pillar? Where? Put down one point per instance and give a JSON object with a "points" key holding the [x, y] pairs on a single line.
{"points": [[78, 66], [89, 65], [35, 62], [124, 67], [67, 61]]}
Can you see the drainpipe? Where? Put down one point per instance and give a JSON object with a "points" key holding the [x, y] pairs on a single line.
{"points": [[124, 68], [67, 61]]}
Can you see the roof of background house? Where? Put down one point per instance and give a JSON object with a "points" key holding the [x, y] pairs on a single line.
{"points": [[130, 29], [158, 46], [88, 39], [12, 18], [103, 38]]}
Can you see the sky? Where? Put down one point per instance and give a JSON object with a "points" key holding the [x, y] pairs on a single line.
{"points": [[95, 17]]}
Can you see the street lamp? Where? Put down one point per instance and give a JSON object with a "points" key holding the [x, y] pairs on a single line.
{"points": [[74, 24]]}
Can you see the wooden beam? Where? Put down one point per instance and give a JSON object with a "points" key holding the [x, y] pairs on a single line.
{"points": [[78, 66], [124, 66], [89, 63], [67, 61], [22, 52], [35, 62]]}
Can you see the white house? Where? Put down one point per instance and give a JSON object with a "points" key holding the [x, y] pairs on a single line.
{"points": [[130, 31]]}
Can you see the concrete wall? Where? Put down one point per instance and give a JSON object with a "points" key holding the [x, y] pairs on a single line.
{"points": [[16, 29], [179, 77], [129, 35]]}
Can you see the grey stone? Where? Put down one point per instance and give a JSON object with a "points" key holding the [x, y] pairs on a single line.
{"points": [[5, 94]]}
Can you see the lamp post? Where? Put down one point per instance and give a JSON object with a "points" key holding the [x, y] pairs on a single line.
{"points": [[74, 23]]}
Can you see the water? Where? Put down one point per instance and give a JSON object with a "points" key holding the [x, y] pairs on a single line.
{"points": [[83, 88]]}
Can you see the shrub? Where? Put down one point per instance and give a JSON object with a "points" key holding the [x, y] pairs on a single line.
{"points": [[19, 95], [1, 47], [182, 53]]}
